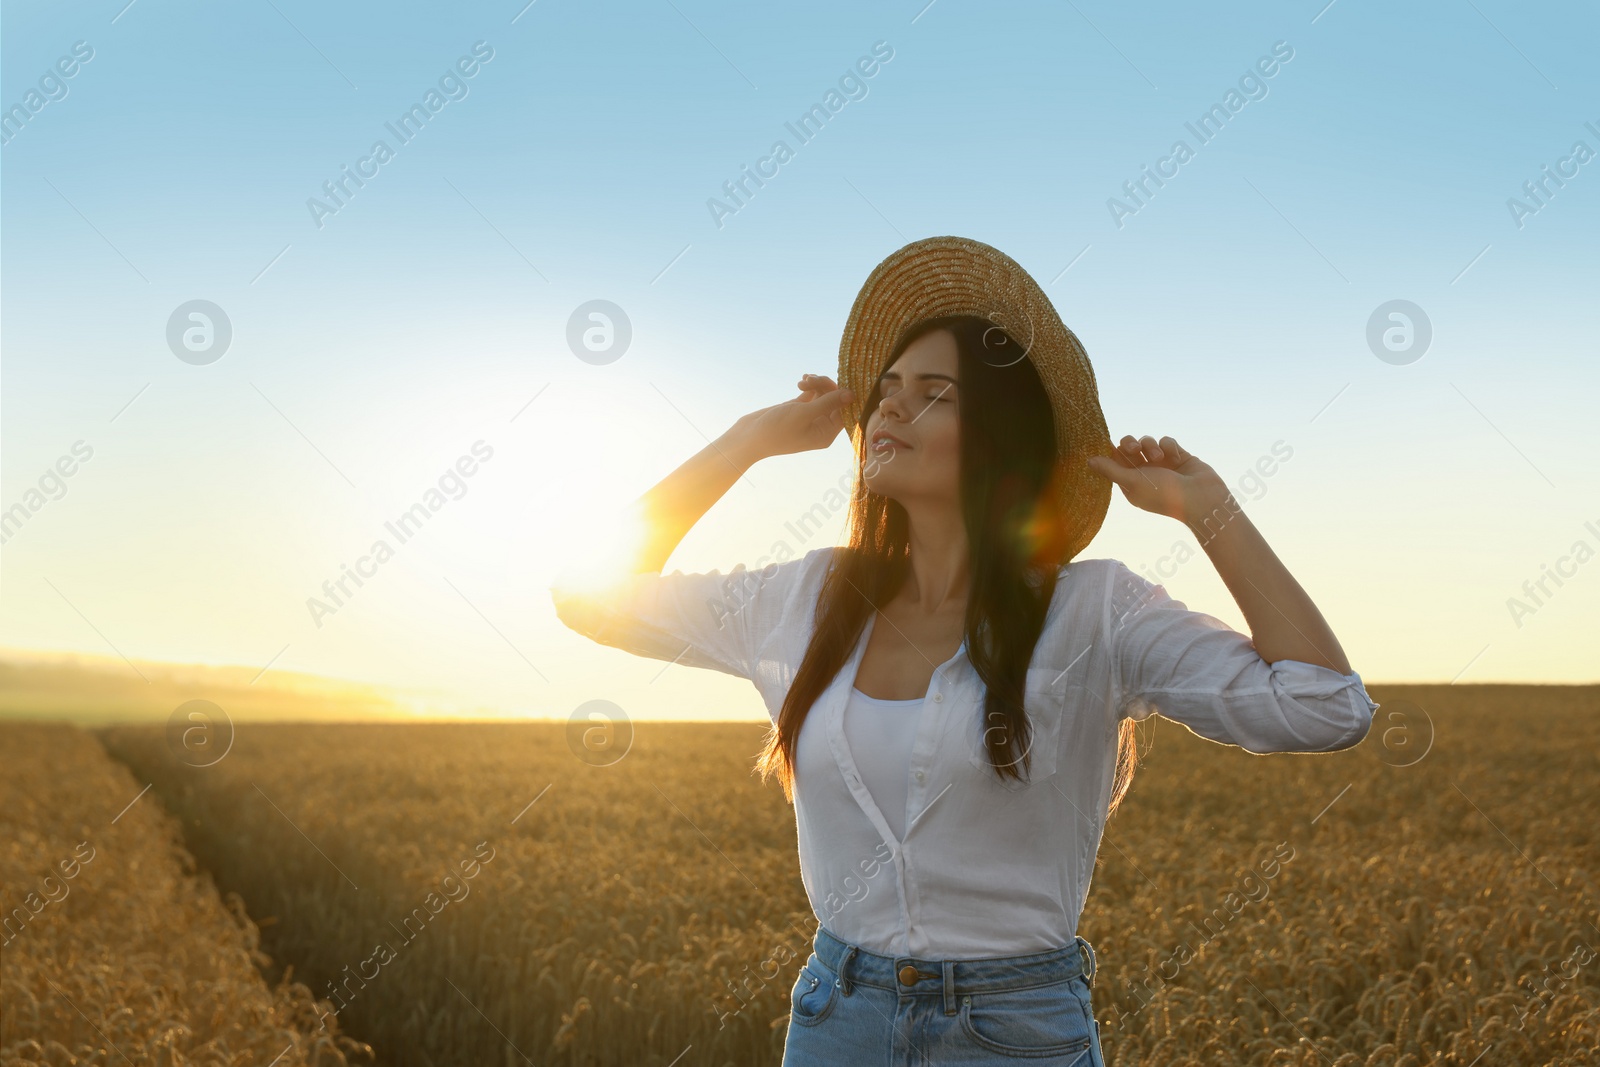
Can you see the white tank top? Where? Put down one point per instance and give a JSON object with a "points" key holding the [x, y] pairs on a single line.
{"points": [[880, 734]]}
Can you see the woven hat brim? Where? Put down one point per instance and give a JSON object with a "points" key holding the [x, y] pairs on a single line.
{"points": [[959, 276]]}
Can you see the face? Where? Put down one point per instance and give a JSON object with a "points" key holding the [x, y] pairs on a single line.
{"points": [[919, 409]]}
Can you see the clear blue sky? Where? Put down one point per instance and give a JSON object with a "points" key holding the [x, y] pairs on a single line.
{"points": [[369, 352]]}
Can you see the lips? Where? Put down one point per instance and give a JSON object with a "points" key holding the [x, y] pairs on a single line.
{"points": [[882, 437]]}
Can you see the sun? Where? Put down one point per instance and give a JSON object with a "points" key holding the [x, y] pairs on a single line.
{"points": [[607, 554]]}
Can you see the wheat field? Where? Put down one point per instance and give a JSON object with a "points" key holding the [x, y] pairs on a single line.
{"points": [[115, 950], [479, 894]]}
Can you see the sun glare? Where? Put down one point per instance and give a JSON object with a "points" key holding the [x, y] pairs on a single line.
{"points": [[607, 555]]}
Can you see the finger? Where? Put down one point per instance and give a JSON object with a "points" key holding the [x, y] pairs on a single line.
{"points": [[1152, 451], [841, 403], [1116, 457], [1101, 465], [1173, 449], [1110, 467], [1130, 448], [831, 404]]}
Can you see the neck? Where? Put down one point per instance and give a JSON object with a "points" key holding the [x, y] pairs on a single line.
{"points": [[940, 570]]}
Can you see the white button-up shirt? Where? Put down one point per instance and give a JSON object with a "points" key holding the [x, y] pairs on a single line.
{"points": [[985, 867], [879, 734]]}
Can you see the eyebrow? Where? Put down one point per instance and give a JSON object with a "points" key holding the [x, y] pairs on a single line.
{"points": [[895, 375]]}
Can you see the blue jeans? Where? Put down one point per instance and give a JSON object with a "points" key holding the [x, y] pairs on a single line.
{"points": [[854, 1008]]}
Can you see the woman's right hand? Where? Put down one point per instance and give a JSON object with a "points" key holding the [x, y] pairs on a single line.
{"points": [[810, 421]]}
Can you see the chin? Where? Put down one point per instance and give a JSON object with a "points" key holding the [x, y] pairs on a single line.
{"points": [[891, 487], [881, 485]]}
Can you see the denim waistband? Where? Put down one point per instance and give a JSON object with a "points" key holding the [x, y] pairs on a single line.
{"points": [[855, 965]]}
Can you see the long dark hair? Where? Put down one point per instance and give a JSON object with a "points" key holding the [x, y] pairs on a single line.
{"points": [[1016, 542]]}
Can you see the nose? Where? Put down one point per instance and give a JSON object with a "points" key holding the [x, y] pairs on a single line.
{"points": [[892, 404]]}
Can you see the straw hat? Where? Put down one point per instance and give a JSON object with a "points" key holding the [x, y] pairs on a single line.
{"points": [[954, 276]]}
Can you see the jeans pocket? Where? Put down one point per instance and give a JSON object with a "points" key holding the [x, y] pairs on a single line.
{"points": [[813, 995], [1034, 1023]]}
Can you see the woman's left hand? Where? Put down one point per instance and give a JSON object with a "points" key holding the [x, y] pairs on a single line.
{"points": [[1160, 477]]}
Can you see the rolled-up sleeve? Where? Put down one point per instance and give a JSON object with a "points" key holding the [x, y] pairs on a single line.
{"points": [[1195, 669], [710, 620]]}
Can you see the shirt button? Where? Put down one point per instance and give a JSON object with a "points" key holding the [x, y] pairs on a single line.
{"points": [[938, 698], [920, 776]]}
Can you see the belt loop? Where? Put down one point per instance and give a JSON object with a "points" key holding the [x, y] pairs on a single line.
{"points": [[949, 968], [844, 970], [1083, 945]]}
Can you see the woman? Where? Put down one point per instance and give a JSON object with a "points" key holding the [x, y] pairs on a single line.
{"points": [[952, 694]]}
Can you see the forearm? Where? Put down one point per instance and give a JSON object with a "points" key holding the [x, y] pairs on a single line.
{"points": [[673, 505], [1284, 622]]}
